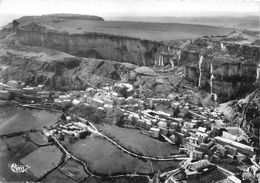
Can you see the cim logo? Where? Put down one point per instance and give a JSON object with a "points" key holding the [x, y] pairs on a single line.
{"points": [[19, 168]]}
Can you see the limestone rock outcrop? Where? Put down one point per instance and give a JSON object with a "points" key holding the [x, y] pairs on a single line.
{"points": [[91, 45], [231, 68], [57, 70]]}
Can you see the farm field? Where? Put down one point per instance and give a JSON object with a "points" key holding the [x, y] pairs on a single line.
{"points": [[48, 157], [133, 139], [165, 165], [102, 157], [73, 170], [116, 180], [11, 151], [18, 119], [56, 177], [38, 138], [212, 176]]}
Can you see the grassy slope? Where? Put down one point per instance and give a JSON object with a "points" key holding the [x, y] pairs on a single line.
{"points": [[104, 157], [139, 143], [21, 120]]}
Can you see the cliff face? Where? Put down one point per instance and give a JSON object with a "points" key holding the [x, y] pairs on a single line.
{"points": [[188, 57], [232, 74], [226, 68], [246, 51], [94, 45], [230, 77]]}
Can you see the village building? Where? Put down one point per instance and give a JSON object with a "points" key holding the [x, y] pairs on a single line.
{"points": [[241, 148]]}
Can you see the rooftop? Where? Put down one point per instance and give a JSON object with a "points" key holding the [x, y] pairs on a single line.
{"points": [[237, 144]]}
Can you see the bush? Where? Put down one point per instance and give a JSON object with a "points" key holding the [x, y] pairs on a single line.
{"points": [[133, 121], [84, 134], [187, 115], [61, 137], [50, 139]]}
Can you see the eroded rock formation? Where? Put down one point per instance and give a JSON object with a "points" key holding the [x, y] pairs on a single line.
{"points": [[234, 68], [92, 45], [234, 65], [57, 70]]}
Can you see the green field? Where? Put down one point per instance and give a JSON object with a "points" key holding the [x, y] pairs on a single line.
{"points": [[132, 139], [43, 160], [57, 177], [38, 138], [212, 176], [103, 157], [11, 151], [18, 119], [143, 30], [73, 170]]}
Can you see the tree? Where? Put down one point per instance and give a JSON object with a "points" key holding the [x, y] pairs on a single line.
{"points": [[72, 139], [50, 139], [61, 137], [63, 117], [187, 115], [120, 121], [83, 135], [123, 92]]}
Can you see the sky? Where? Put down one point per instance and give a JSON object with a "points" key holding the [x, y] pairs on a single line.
{"points": [[10, 9]]}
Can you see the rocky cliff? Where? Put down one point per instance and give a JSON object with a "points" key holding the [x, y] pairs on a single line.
{"points": [[227, 74], [230, 77], [57, 70], [246, 51], [92, 45], [225, 69]]}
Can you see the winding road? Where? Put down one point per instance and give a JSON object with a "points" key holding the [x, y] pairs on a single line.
{"points": [[95, 131]]}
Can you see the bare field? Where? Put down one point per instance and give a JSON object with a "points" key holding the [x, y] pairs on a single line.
{"points": [[132, 139]]}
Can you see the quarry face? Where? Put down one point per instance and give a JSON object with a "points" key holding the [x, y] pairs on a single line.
{"points": [[97, 105]]}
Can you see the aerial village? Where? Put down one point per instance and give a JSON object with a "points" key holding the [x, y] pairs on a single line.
{"points": [[205, 139], [201, 133]]}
